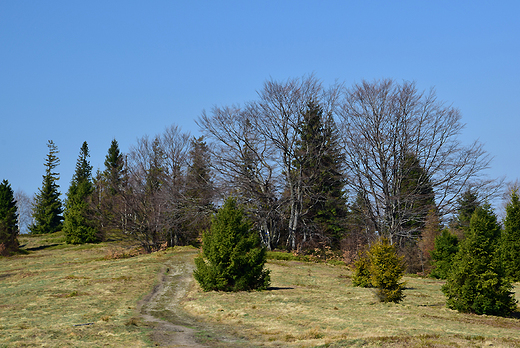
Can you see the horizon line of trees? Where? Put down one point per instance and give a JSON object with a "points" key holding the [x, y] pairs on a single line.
{"points": [[313, 166]]}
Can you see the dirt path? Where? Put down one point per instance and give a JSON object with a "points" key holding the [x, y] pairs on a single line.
{"points": [[161, 308]]}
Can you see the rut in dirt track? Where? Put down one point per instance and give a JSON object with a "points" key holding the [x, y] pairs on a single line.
{"points": [[161, 308]]}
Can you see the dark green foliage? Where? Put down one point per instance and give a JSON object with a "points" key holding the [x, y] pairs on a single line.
{"points": [[446, 246], [466, 206], [108, 187], [510, 244], [232, 259], [114, 169], [8, 219], [361, 276], [320, 162], [477, 282], [199, 192], [78, 227], [416, 195], [48, 208], [386, 271]]}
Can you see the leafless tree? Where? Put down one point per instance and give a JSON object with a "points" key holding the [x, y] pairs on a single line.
{"points": [[278, 116], [256, 146], [155, 181], [24, 204], [246, 167], [382, 124]]}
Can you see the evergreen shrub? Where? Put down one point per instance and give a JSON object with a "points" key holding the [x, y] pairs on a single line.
{"points": [[380, 267], [361, 276], [386, 272], [232, 258]]}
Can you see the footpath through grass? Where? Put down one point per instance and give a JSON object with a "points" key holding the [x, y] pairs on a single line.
{"points": [[74, 296], [311, 304], [47, 292]]}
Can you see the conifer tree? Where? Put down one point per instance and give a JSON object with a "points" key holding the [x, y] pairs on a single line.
{"points": [[114, 169], [48, 208], [386, 271], [510, 244], [78, 226], [319, 161], [466, 206], [107, 196], [416, 196], [380, 267], [477, 282], [199, 190], [361, 275], [232, 258], [446, 247], [8, 219]]}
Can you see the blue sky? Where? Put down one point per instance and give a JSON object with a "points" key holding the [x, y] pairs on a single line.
{"points": [[75, 71]]}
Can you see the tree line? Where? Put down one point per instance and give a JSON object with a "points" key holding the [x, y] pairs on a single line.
{"points": [[314, 166]]}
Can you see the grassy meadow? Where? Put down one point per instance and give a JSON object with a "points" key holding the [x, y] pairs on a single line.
{"points": [[59, 295], [47, 292], [315, 304]]}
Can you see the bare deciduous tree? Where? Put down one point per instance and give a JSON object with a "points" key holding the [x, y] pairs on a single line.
{"points": [[155, 183], [258, 146], [24, 203], [383, 123], [278, 116], [245, 163]]}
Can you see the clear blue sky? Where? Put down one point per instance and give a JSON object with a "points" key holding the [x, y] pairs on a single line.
{"points": [[75, 71]]}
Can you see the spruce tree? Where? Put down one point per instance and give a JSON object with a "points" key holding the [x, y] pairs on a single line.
{"points": [[320, 162], [8, 219], [477, 282], [466, 206], [361, 275], [510, 244], [232, 258], [199, 190], [114, 169], [416, 195], [48, 208], [108, 189], [78, 227], [381, 268], [446, 247]]}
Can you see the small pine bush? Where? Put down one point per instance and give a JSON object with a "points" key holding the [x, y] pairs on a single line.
{"points": [[386, 272], [361, 276], [232, 258]]}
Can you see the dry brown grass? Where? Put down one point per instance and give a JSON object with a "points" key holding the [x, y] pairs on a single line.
{"points": [[48, 292], [313, 304], [55, 287]]}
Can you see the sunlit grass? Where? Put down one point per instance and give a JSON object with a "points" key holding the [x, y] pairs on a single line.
{"points": [[54, 287], [312, 304], [50, 294]]}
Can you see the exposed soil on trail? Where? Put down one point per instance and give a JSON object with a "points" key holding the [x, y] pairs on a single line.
{"points": [[160, 309], [162, 312]]}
